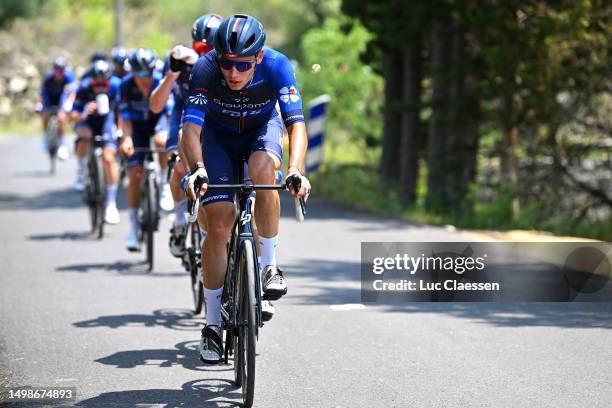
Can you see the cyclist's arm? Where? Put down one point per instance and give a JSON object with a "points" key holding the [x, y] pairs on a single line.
{"points": [[160, 95], [298, 143], [126, 128], [190, 144]]}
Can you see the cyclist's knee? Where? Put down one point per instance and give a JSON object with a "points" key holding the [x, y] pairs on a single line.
{"points": [[219, 219], [262, 168], [108, 155], [135, 173], [160, 140]]}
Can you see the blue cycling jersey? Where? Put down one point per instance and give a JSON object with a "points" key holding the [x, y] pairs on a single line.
{"points": [[86, 94], [133, 105], [54, 91], [212, 100]]}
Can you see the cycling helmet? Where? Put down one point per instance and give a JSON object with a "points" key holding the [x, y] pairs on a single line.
{"points": [[60, 63], [101, 70], [205, 28], [97, 56], [240, 36], [119, 55], [143, 59]]}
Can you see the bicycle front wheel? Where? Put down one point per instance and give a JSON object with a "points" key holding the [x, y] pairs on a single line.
{"points": [[194, 253], [151, 218], [246, 347]]}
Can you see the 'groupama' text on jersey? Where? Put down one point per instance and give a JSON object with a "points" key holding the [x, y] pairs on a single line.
{"points": [[212, 100]]}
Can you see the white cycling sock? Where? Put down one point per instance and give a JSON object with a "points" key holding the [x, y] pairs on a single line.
{"points": [[180, 207], [111, 194], [133, 218], [268, 250], [212, 297], [81, 164]]}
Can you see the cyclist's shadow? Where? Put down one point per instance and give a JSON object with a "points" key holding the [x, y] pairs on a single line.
{"points": [[210, 392], [184, 354]]}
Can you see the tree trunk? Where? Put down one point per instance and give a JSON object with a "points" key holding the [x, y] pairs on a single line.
{"points": [[462, 143], [509, 164], [390, 158], [439, 124], [411, 126]]}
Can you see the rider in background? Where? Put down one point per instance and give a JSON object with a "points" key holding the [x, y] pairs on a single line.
{"points": [[119, 56], [176, 72], [91, 120], [139, 123], [55, 96]]}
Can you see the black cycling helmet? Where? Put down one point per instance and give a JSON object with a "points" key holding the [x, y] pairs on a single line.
{"points": [[240, 36], [119, 55], [101, 70], [98, 56], [60, 63], [205, 27], [143, 59]]}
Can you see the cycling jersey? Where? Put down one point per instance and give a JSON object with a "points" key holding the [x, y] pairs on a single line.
{"points": [[210, 99], [134, 107], [54, 92], [98, 123]]}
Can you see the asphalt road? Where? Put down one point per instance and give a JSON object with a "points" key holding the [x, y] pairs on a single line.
{"points": [[79, 312]]}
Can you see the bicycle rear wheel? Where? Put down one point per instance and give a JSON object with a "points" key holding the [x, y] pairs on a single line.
{"points": [[244, 358], [151, 217], [52, 136], [100, 194]]}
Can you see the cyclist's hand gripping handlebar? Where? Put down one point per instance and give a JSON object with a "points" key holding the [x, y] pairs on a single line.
{"points": [[193, 206]]}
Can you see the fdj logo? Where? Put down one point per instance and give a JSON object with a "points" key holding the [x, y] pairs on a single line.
{"points": [[244, 218]]}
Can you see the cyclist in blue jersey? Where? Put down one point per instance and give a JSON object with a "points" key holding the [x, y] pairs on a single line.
{"points": [[54, 97], [176, 81], [96, 56], [94, 113], [139, 124], [232, 107]]}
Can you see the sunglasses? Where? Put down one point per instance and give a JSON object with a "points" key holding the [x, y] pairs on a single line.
{"points": [[99, 83], [143, 74], [201, 47], [241, 66]]}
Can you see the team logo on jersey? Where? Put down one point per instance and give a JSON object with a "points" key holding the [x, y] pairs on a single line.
{"points": [[198, 99], [290, 94]]}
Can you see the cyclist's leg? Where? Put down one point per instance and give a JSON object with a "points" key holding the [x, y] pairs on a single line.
{"points": [[178, 229], [220, 214], [160, 138], [135, 171], [264, 160], [84, 134], [111, 170]]}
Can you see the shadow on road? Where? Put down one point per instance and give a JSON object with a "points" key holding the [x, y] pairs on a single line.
{"points": [[177, 319], [126, 268], [64, 236], [185, 354], [46, 200], [338, 282], [212, 392]]}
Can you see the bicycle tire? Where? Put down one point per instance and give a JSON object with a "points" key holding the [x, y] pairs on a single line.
{"points": [[52, 136], [197, 286], [150, 204], [91, 193], [247, 323], [100, 194]]}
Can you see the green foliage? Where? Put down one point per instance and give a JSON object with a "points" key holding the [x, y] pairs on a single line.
{"points": [[98, 26], [355, 90], [12, 9]]}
